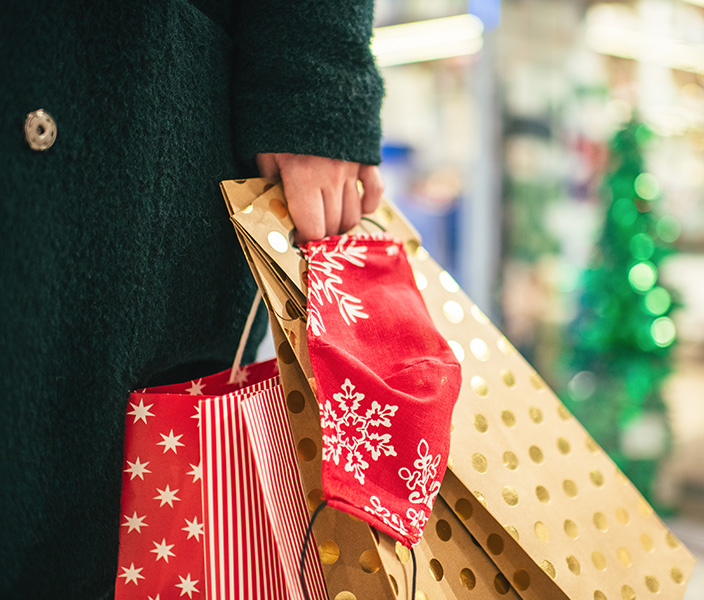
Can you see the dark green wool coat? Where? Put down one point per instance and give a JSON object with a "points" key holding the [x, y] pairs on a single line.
{"points": [[119, 267]]}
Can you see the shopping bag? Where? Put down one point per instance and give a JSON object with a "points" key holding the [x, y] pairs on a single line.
{"points": [[541, 499], [199, 516], [357, 562]]}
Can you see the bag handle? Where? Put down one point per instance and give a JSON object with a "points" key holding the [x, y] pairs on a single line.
{"points": [[245, 336]]}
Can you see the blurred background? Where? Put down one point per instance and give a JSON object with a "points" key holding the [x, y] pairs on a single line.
{"points": [[551, 154]]}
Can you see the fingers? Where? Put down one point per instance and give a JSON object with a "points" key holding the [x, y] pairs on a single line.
{"points": [[305, 202], [332, 201], [322, 194], [373, 185], [351, 205]]}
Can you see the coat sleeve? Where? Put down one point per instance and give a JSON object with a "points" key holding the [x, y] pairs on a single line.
{"points": [[305, 80]]}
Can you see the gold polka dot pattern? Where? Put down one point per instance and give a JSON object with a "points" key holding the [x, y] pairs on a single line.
{"points": [[480, 423], [570, 488], [509, 451], [596, 478], [479, 463], [624, 556], [479, 349], [548, 567], [521, 580], [463, 509], [453, 312], [510, 496], [652, 584], [510, 460], [542, 494], [295, 401], [306, 449], [402, 553], [513, 532], [536, 415], [563, 446], [508, 378], [541, 531], [573, 565], [627, 593], [329, 552], [571, 529], [600, 521], [598, 560], [443, 530], [369, 561], [479, 386], [436, 569], [501, 584], [646, 542], [508, 418], [495, 543], [468, 579], [505, 346], [622, 515]]}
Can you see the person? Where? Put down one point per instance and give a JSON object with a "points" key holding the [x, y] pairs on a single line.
{"points": [[120, 268]]}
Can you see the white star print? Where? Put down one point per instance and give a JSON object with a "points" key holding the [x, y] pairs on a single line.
{"points": [[154, 598], [170, 441], [196, 387], [187, 585], [196, 472], [197, 415], [242, 376], [167, 496], [132, 574], [194, 528], [163, 550], [140, 411], [134, 522], [392, 250], [137, 469]]}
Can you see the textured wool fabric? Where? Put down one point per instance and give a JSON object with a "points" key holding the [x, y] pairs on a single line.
{"points": [[386, 381], [119, 265]]}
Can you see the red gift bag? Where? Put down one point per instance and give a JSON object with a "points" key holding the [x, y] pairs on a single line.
{"points": [[212, 506]]}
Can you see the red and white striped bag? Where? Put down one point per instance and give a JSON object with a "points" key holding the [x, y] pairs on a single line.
{"points": [[212, 504]]}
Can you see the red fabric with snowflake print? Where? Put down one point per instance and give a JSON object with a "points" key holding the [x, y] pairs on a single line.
{"points": [[386, 381]]}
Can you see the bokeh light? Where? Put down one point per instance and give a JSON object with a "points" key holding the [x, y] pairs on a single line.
{"points": [[642, 246], [658, 301], [582, 386], [647, 186], [625, 212], [668, 228], [663, 331], [643, 276]]}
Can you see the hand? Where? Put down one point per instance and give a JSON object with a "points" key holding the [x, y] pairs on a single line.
{"points": [[322, 194]]}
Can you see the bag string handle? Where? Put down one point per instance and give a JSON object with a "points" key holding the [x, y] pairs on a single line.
{"points": [[245, 336], [306, 540]]}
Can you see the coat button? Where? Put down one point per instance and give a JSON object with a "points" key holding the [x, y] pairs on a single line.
{"points": [[40, 130]]}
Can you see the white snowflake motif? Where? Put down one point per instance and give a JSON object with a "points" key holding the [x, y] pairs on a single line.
{"points": [[423, 481], [417, 519], [384, 514], [354, 433], [324, 270]]}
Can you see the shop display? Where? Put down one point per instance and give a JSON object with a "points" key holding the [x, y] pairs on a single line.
{"points": [[623, 336]]}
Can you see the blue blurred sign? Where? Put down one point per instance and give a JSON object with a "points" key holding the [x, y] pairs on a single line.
{"points": [[489, 11]]}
